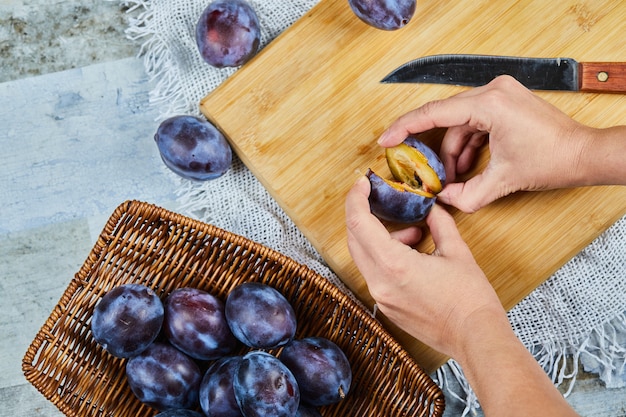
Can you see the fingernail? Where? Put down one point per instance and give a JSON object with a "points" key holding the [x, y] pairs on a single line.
{"points": [[383, 137]]}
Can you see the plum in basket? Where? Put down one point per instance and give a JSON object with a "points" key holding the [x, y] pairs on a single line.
{"points": [[260, 316], [264, 386], [321, 369], [195, 323], [306, 411], [127, 320], [164, 377], [217, 395], [179, 412]]}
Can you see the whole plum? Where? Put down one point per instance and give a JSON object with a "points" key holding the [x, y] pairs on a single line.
{"points": [[193, 148], [260, 316], [217, 395], [164, 377], [228, 33], [384, 14], [265, 387], [321, 369], [179, 412], [195, 323], [418, 176], [127, 320]]}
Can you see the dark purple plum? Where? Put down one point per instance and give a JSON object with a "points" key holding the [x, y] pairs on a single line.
{"points": [[384, 14], [264, 387], [260, 316], [180, 412], [228, 33], [321, 369], [127, 319], [418, 175], [306, 411], [164, 378], [217, 396], [195, 323], [193, 148]]}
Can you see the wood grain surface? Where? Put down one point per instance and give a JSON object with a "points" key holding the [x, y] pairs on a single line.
{"points": [[305, 113]]}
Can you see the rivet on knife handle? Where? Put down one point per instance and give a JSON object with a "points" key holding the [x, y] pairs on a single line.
{"points": [[603, 77]]}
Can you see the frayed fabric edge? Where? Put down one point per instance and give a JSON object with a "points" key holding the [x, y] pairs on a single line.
{"points": [[601, 352], [604, 352], [168, 93]]}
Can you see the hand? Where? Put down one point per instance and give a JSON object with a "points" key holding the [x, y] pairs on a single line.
{"points": [[428, 296], [533, 145], [445, 300]]}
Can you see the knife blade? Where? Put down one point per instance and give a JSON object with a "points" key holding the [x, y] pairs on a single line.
{"points": [[564, 74]]}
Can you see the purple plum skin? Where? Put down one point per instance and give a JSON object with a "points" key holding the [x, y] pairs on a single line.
{"points": [[228, 33], [179, 412], [321, 369], [433, 159], [265, 387], [260, 316], [217, 395], [306, 411], [391, 204], [127, 320], [193, 148], [384, 14], [164, 378], [195, 323]]}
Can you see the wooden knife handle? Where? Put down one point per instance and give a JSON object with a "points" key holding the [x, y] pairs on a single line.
{"points": [[602, 77]]}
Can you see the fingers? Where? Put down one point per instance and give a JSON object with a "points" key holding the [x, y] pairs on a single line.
{"points": [[454, 194], [442, 228], [441, 113], [475, 193], [362, 226], [369, 241], [467, 155], [445, 233], [459, 148], [409, 236], [458, 110], [371, 245]]}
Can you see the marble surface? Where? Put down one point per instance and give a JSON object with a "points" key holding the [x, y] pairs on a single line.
{"points": [[77, 141], [76, 145], [43, 36]]}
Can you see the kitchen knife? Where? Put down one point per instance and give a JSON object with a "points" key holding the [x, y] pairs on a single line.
{"points": [[564, 74]]}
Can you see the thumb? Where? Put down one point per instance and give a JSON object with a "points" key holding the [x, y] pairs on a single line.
{"points": [[445, 234], [472, 195]]}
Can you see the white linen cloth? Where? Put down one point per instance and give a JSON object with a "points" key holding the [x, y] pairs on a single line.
{"points": [[579, 312]]}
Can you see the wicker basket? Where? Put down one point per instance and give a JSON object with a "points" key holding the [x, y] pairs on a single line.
{"points": [[142, 243]]}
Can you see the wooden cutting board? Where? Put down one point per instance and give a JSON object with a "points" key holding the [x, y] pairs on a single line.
{"points": [[305, 113]]}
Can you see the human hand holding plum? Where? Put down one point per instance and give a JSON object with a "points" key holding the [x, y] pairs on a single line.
{"points": [[533, 145], [428, 296], [445, 300]]}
